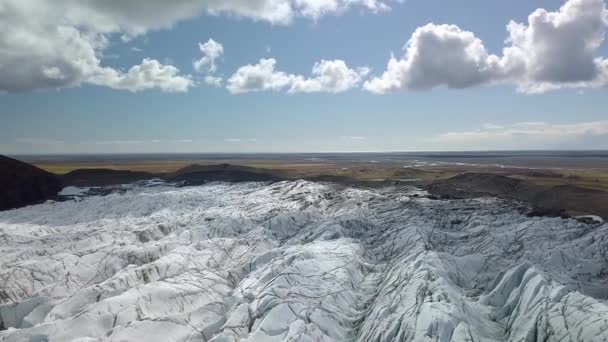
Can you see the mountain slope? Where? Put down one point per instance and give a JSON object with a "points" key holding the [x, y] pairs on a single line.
{"points": [[22, 184]]}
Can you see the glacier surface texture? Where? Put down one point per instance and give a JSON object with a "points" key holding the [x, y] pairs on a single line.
{"points": [[297, 261]]}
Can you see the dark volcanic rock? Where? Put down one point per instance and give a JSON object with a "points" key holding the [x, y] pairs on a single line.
{"points": [[101, 177], [200, 174], [22, 184], [470, 185], [560, 201], [548, 212], [575, 200]]}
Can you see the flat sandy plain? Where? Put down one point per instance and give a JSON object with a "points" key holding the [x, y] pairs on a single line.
{"points": [[587, 169]]}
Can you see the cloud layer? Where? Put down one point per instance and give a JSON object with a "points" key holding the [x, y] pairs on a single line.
{"points": [[527, 135], [54, 44], [553, 50], [61, 43], [327, 76]]}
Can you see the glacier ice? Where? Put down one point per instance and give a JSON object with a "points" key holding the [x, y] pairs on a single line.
{"points": [[297, 261]]}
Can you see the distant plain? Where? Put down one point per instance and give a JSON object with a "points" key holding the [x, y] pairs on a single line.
{"points": [[587, 169]]}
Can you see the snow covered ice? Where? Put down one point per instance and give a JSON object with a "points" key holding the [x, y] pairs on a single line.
{"points": [[297, 261]]}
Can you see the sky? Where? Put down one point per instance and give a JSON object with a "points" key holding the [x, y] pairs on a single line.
{"points": [[88, 76]]}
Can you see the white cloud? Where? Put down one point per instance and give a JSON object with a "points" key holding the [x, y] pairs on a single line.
{"points": [[318, 8], [135, 17], [283, 11], [437, 55], [149, 74], [56, 44], [214, 81], [558, 49], [553, 50], [211, 50], [327, 76], [60, 43], [527, 135], [259, 77]]}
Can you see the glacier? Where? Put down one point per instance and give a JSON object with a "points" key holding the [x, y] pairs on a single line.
{"points": [[297, 261]]}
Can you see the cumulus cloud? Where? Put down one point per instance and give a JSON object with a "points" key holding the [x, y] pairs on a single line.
{"points": [[54, 44], [149, 74], [553, 50], [558, 49], [59, 44], [135, 17], [318, 8], [437, 55], [327, 76], [527, 135], [259, 77], [211, 51], [283, 11]]}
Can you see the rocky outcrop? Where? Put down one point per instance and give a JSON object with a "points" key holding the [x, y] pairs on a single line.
{"points": [[469, 185], [200, 174], [560, 200], [22, 184], [101, 177]]}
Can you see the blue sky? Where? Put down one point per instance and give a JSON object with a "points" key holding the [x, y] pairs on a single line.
{"points": [[492, 106]]}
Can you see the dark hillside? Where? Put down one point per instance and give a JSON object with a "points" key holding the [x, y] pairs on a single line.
{"points": [[551, 200], [101, 177], [200, 174], [22, 184]]}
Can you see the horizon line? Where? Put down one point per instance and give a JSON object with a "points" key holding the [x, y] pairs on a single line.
{"points": [[304, 152]]}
